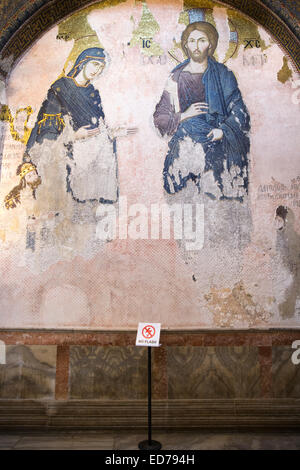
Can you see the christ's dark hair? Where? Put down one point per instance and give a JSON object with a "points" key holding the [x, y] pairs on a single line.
{"points": [[206, 28]]}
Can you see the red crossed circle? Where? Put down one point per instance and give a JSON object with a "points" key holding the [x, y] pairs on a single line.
{"points": [[148, 331]]}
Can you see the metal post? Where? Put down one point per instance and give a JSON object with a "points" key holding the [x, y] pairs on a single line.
{"points": [[149, 398], [149, 444]]}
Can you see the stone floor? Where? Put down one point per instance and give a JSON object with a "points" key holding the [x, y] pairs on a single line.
{"points": [[126, 440]]}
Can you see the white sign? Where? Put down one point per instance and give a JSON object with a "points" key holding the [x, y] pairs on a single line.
{"points": [[296, 354], [148, 334], [2, 352]]}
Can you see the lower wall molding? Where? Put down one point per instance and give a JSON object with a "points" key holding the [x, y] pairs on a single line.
{"points": [[224, 414]]}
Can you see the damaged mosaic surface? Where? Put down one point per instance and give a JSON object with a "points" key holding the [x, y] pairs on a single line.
{"points": [[122, 106]]}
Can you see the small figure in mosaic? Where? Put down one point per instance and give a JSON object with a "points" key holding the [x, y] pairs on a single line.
{"points": [[29, 179]]}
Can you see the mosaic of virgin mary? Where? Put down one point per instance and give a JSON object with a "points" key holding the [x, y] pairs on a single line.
{"points": [[91, 162]]}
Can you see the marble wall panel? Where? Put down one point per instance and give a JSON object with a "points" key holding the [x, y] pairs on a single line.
{"points": [[285, 374], [102, 373], [213, 372], [29, 372]]}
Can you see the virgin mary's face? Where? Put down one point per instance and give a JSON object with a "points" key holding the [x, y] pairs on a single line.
{"points": [[93, 69]]}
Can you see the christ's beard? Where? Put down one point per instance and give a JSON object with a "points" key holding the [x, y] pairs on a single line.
{"points": [[198, 57]]}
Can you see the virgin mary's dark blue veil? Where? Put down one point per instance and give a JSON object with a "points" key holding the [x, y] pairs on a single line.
{"points": [[93, 53]]}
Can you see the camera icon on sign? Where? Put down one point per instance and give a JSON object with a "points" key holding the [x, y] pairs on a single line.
{"points": [[2, 352]]}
